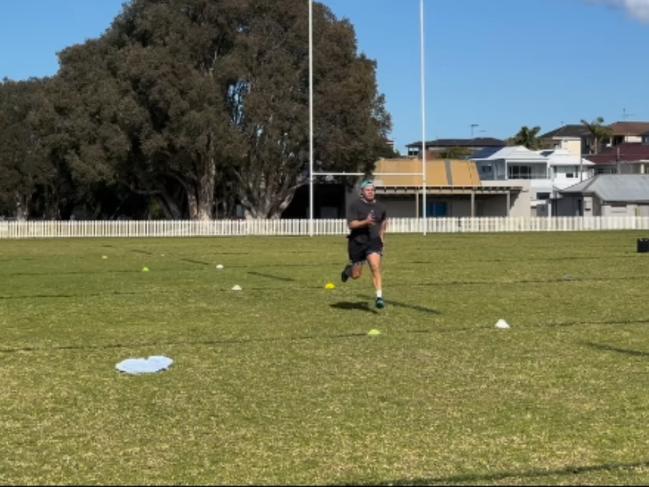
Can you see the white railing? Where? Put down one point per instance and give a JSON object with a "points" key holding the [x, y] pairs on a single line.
{"points": [[235, 228]]}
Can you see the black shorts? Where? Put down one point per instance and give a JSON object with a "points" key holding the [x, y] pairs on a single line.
{"points": [[359, 250]]}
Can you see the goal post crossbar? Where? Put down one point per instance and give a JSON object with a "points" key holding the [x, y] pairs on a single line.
{"points": [[366, 174]]}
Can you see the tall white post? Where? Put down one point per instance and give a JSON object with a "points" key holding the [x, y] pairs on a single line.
{"points": [[423, 112], [310, 118]]}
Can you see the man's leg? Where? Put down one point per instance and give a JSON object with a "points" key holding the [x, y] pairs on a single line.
{"points": [[356, 256], [357, 270], [374, 261]]}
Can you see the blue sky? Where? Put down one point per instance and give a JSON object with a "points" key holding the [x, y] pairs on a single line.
{"points": [[500, 64]]}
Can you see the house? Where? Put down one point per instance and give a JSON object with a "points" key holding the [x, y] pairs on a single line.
{"points": [[628, 133], [621, 133], [435, 148], [518, 165], [625, 158], [453, 189], [571, 131], [607, 195], [565, 167], [544, 172]]}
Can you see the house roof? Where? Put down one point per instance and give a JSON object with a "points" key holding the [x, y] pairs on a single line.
{"points": [[570, 130], [516, 153], [476, 142], [485, 152], [627, 152], [439, 172], [629, 128], [633, 188], [563, 157]]}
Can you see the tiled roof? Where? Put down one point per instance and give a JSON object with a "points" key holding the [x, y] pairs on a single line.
{"points": [[629, 128], [570, 130], [629, 152]]}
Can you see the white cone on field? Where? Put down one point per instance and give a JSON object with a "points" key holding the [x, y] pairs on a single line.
{"points": [[502, 324], [219, 266], [236, 288]]}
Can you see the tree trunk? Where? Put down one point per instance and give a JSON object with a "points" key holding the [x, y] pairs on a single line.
{"points": [[200, 193], [269, 205], [22, 207], [205, 191]]}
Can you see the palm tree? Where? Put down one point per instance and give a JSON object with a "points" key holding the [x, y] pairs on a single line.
{"points": [[599, 131], [528, 137]]}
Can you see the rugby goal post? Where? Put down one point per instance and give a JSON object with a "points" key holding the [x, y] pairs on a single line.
{"points": [[313, 175]]}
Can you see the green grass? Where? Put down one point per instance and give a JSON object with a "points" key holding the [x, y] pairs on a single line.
{"points": [[280, 384]]}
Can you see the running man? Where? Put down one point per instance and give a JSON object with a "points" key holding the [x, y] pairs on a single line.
{"points": [[367, 220]]}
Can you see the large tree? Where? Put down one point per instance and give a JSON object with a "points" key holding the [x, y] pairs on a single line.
{"points": [[270, 100], [24, 171], [208, 99]]}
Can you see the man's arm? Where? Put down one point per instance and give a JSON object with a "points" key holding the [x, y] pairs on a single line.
{"points": [[384, 227], [356, 224]]}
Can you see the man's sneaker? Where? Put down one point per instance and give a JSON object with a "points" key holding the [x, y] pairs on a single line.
{"points": [[346, 273], [380, 303]]}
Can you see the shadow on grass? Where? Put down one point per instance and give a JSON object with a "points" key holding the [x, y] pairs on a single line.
{"points": [[359, 305], [69, 296], [609, 348], [567, 279], [414, 307], [233, 341], [192, 261], [140, 251], [480, 479], [271, 276]]}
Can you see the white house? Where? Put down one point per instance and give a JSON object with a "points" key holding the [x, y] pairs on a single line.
{"points": [[545, 171]]}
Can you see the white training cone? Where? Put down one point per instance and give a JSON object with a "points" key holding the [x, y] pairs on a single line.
{"points": [[219, 266], [502, 324], [236, 288]]}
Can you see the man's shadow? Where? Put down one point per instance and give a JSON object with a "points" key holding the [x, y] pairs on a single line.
{"points": [[359, 306]]}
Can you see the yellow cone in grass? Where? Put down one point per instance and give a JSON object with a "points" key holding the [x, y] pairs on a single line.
{"points": [[330, 285], [374, 332], [104, 257], [145, 269]]}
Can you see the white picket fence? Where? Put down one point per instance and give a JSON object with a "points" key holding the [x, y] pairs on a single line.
{"points": [[235, 228]]}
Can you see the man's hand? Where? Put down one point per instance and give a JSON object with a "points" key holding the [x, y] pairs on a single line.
{"points": [[370, 221]]}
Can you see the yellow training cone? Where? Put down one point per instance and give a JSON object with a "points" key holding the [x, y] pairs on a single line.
{"points": [[330, 285], [374, 332]]}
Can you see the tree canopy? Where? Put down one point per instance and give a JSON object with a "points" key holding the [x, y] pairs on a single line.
{"points": [[600, 132], [187, 108], [528, 137]]}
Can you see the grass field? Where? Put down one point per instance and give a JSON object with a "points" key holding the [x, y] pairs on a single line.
{"points": [[280, 383]]}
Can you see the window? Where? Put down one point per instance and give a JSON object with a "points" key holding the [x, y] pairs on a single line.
{"points": [[542, 196], [520, 172], [572, 171]]}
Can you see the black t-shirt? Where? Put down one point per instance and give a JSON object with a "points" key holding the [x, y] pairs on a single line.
{"points": [[360, 210]]}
